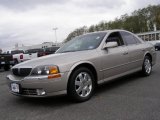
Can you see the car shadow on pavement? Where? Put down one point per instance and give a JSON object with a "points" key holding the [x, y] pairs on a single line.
{"points": [[55, 101], [1, 70], [64, 100], [113, 84]]}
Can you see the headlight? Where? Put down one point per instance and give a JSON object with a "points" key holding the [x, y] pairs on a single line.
{"points": [[45, 70]]}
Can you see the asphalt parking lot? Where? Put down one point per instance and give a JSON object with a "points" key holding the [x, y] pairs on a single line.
{"points": [[129, 98]]}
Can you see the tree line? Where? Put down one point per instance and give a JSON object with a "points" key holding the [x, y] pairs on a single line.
{"points": [[141, 20]]}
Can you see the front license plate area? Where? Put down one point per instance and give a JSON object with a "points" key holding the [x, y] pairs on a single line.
{"points": [[15, 87]]}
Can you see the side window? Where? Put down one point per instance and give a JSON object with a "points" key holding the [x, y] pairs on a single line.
{"points": [[137, 40], [115, 37], [128, 38]]}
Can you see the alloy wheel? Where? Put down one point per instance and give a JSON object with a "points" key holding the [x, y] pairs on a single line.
{"points": [[147, 66], [83, 84]]}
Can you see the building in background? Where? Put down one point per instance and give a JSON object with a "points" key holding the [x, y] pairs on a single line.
{"points": [[150, 36], [43, 45]]}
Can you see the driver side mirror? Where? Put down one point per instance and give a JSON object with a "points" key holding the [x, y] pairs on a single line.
{"points": [[110, 45]]}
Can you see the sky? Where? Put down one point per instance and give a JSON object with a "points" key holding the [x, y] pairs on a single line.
{"points": [[31, 22]]}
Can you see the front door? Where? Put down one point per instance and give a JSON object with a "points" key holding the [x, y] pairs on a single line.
{"points": [[114, 60]]}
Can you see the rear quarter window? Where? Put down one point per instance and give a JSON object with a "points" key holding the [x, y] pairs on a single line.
{"points": [[128, 38]]}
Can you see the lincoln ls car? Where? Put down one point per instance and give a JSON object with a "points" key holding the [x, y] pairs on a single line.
{"points": [[81, 64]]}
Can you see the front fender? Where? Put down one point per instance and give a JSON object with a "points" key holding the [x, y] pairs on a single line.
{"points": [[77, 64], [152, 53]]}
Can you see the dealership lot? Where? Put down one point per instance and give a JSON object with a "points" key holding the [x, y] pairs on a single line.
{"points": [[129, 98]]}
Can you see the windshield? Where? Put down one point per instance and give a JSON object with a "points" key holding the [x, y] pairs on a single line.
{"points": [[84, 42]]}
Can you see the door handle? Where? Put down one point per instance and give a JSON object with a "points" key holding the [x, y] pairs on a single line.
{"points": [[125, 53]]}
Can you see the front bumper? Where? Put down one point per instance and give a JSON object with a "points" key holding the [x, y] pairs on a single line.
{"points": [[30, 86]]}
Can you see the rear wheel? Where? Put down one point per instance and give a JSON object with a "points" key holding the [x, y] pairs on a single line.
{"points": [[81, 85], [147, 66]]}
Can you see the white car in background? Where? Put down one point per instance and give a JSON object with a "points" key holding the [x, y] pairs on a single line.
{"points": [[21, 56]]}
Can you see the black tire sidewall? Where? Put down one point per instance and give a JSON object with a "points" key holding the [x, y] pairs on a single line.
{"points": [[6, 67], [15, 61], [71, 85]]}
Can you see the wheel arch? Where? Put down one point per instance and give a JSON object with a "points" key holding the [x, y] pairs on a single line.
{"points": [[149, 55], [85, 64]]}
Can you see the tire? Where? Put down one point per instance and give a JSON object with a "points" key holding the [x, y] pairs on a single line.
{"points": [[15, 61], [6, 67], [81, 85], [156, 48], [147, 66]]}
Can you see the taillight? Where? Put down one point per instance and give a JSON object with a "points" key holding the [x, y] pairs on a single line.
{"points": [[21, 56]]}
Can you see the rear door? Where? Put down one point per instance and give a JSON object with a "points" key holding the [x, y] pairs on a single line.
{"points": [[135, 50]]}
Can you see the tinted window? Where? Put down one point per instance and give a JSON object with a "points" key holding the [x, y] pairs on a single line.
{"points": [[157, 44], [115, 37], [17, 52], [50, 49], [137, 40], [34, 51], [128, 38]]}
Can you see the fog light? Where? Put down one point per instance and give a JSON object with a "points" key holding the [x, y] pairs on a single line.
{"points": [[40, 92]]}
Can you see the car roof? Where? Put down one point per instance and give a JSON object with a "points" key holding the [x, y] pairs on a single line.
{"points": [[108, 31]]}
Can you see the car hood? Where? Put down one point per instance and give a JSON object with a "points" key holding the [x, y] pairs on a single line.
{"points": [[59, 59]]}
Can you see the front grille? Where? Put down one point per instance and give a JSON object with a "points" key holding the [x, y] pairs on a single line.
{"points": [[28, 91], [15, 71], [21, 71]]}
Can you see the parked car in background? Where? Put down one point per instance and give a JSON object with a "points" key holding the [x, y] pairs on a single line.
{"points": [[0, 51], [13, 52], [40, 52], [82, 63], [51, 50], [157, 46], [28, 55], [24, 57], [6, 61]]}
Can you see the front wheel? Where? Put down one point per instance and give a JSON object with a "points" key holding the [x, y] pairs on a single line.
{"points": [[81, 84], [15, 61], [147, 66]]}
